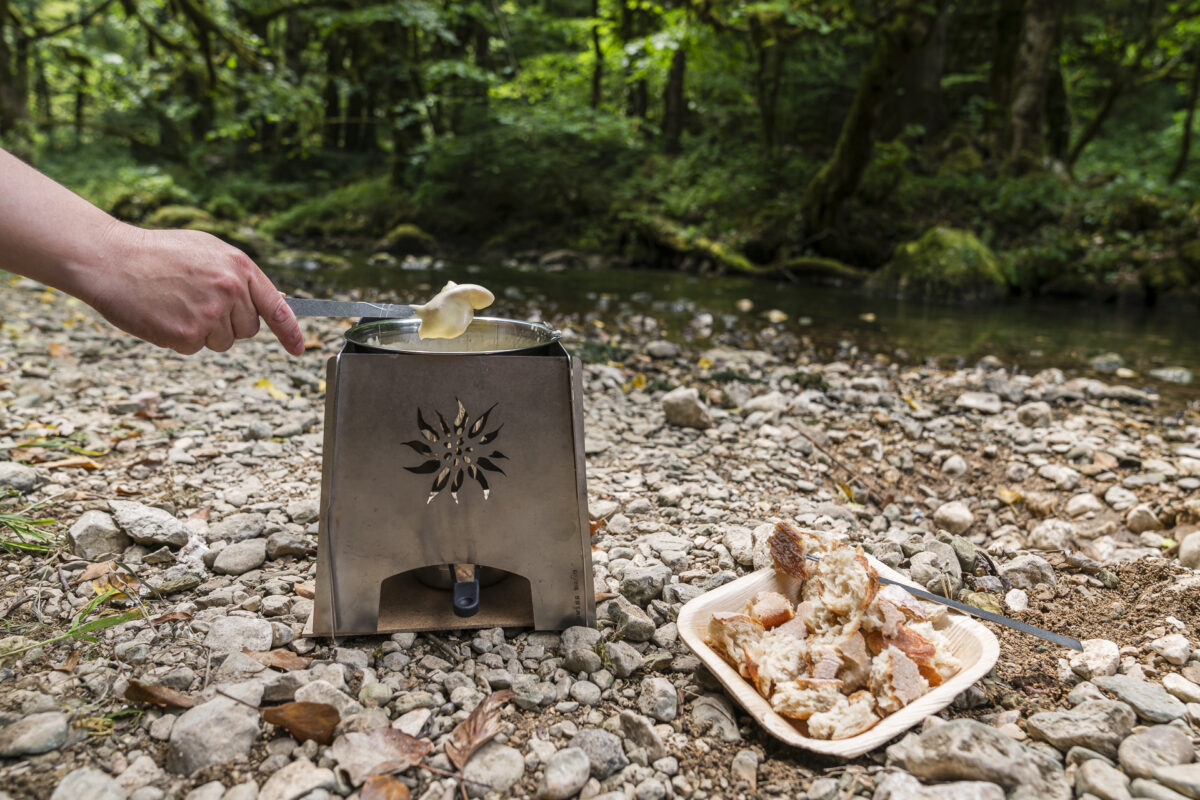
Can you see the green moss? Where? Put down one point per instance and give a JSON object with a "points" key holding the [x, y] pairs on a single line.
{"points": [[406, 239], [824, 270], [177, 216], [944, 262], [963, 161]]}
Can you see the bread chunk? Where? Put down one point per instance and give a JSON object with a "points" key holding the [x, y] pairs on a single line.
{"points": [[850, 716], [737, 638], [781, 659], [801, 698], [771, 609], [840, 589], [790, 546], [856, 661], [895, 680]]}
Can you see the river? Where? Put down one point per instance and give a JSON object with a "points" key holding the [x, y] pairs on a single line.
{"points": [[1026, 335]]}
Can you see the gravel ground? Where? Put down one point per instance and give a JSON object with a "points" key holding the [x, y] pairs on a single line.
{"points": [[1064, 502]]}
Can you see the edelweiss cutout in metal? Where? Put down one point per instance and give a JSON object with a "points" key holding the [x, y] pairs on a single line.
{"points": [[457, 451]]}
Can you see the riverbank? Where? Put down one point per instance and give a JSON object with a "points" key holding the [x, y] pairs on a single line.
{"points": [[1080, 490]]}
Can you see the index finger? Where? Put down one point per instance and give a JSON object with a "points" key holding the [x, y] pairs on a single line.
{"points": [[274, 310]]}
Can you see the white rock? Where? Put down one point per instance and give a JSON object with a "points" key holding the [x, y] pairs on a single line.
{"points": [[954, 517], [1099, 657], [984, 402], [1141, 518], [954, 466], [683, 408], [1119, 498], [297, 779], [1016, 600], [88, 783], [1085, 503], [147, 525], [1051, 534], [95, 534], [1174, 647], [1181, 687]]}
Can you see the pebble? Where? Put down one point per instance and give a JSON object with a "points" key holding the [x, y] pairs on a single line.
{"points": [[220, 731], [659, 699], [241, 557], [1181, 687], [622, 659], [1101, 780], [683, 408], [37, 733], [296, 780], [87, 783], [95, 534], [1174, 647], [1183, 778], [966, 749], [18, 477], [1157, 746], [1098, 725], [902, 786], [954, 517], [984, 402], [744, 769], [147, 525], [566, 773], [1149, 700], [1099, 657], [233, 634], [603, 750]]}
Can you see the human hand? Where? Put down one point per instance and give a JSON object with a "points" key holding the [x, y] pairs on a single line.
{"points": [[185, 290]]}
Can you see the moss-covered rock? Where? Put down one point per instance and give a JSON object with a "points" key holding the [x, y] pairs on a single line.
{"points": [[177, 216], [963, 161], [944, 262], [136, 203], [406, 239], [311, 260], [824, 270], [247, 239]]}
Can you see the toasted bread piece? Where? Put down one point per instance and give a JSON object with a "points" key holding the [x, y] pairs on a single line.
{"points": [[803, 697], [921, 650], [793, 627], [850, 716], [770, 608], [789, 546], [824, 660], [856, 661], [944, 662], [884, 616], [895, 680], [781, 659], [737, 638]]}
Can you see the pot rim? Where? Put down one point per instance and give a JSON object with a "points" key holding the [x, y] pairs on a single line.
{"points": [[549, 336]]}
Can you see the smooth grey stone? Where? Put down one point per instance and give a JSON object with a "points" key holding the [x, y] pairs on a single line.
{"points": [[713, 713], [964, 749], [604, 752], [566, 773], [1154, 791], [89, 783], [297, 780], [579, 637], [1027, 571], [241, 557], [640, 731], [1159, 746], [633, 624], [902, 786], [640, 585], [1183, 778], [238, 527], [217, 732], [622, 659], [1149, 700], [659, 699], [1101, 780], [95, 534], [1099, 725], [585, 693], [231, 634], [146, 525], [36, 733], [581, 660]]}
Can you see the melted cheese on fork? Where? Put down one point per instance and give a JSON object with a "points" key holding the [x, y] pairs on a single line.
{"points": [[449, 313]]}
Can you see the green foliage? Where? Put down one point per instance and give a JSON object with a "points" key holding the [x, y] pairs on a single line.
{"points": [[944, 262], [365, 209]]}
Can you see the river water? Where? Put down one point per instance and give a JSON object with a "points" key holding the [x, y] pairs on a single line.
{"points": [[1026, 335]]}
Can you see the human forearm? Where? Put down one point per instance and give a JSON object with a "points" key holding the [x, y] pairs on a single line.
{"points": [[179, 289]]}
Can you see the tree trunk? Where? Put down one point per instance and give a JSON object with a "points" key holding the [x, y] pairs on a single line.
{"points": [[331, 128], [674, 107], [13, 108], [1185, 144], [81, 96], [1006, 42], [1029, 84], [1115, 88], [1058, 114], [598, 67], [920, 99], [839, 177]]}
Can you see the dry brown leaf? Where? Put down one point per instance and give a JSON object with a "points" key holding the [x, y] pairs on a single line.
{"points": [[281, 659], [125, 586], [376, 752], [312, 342], [74, 462], [174, 616], [306, 590], [602, 596], [384, 787], [57, 350], [165, 696], [478, 729], [96, 570], [314, 721], [68, 665]]}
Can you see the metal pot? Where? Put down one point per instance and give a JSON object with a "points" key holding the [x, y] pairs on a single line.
{"points": [[486, 335]]}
